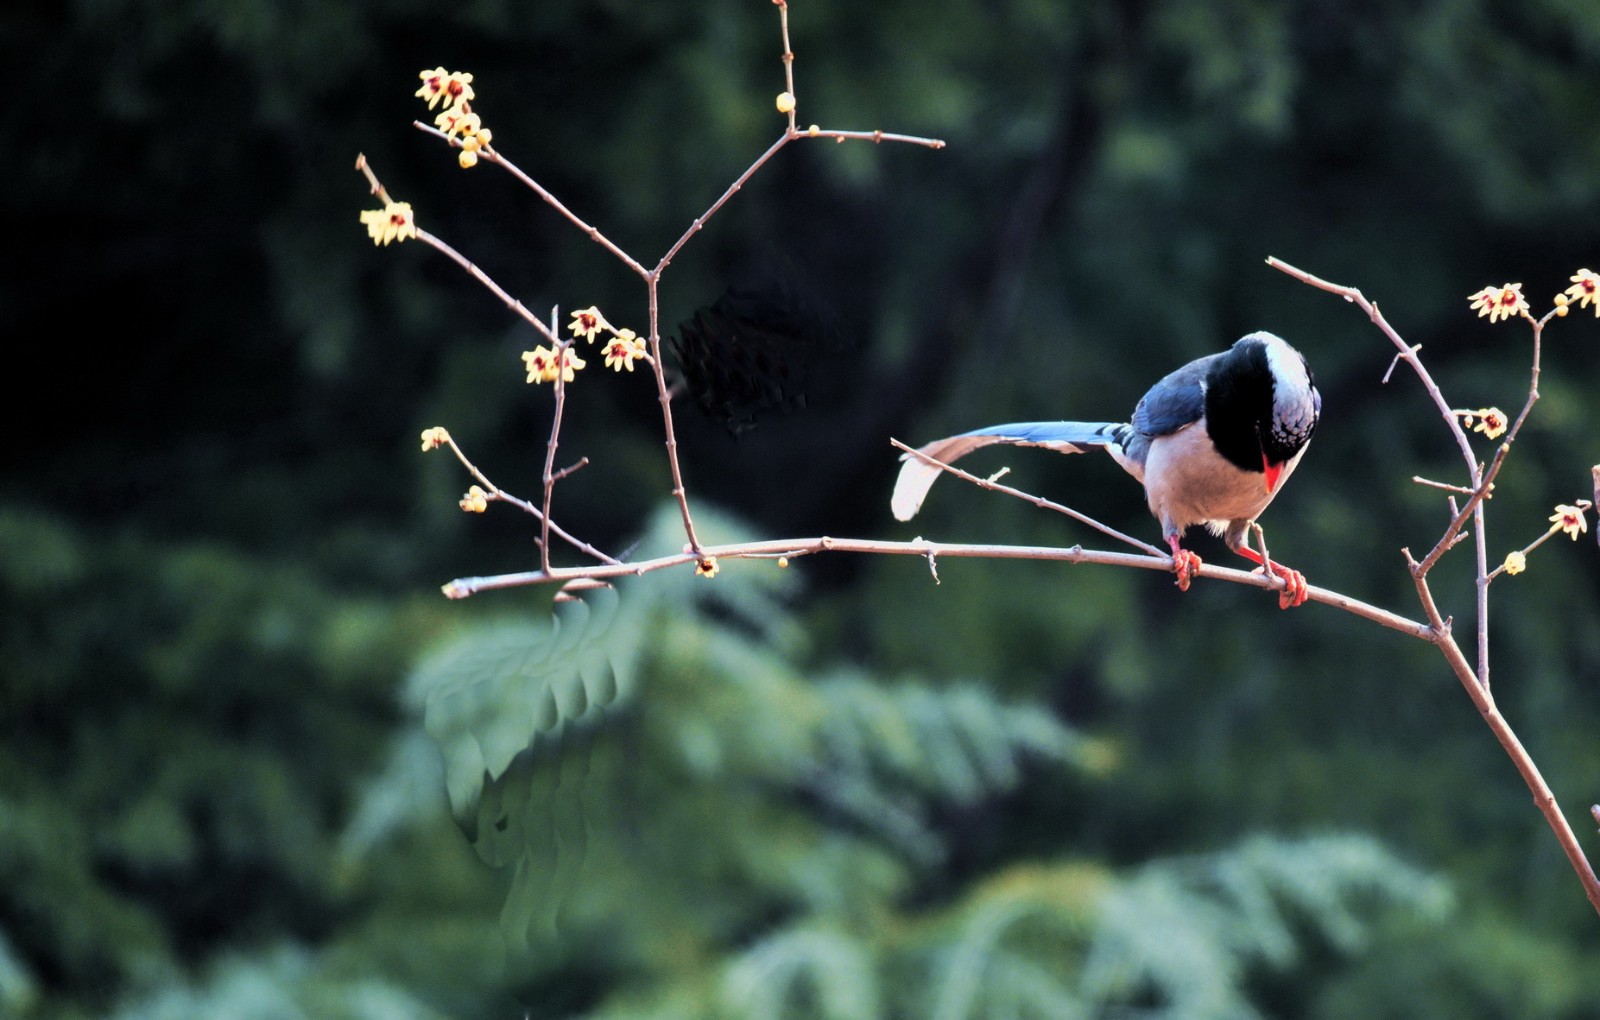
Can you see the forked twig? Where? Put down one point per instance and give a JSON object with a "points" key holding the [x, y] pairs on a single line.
{"points": [[1474, 681]]}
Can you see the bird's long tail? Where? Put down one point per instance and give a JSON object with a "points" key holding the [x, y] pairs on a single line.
{"points": [[917, 476]]}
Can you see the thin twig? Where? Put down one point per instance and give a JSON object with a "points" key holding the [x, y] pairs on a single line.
{"points": [[1038, 501], [788, 58], [1525, 550], [555, 203], [372, 178], [579, 465], [1462, 489], [876, 137], [496, 493], [562, 355], [722, 200], [484, 278]]}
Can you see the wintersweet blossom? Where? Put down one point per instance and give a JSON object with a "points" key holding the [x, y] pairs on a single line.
{"points": [[545, 364], [1501, 302], [623, 350], [1585, 290], [459, 120], [434, 438], [1570, 519], [476, 501], [451, 86], [394, 222], [706, 567], [586, 322], [1515, 563], [1491, 421]]}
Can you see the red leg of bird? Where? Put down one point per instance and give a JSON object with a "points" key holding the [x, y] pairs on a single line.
{"points": [[1293, 592], [1185, 564]]}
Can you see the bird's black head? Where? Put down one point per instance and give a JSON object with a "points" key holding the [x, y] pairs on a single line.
{"points": [[1261, 403]]}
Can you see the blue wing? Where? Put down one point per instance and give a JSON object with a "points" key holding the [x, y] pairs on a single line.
{"points": [[1177, 400]]}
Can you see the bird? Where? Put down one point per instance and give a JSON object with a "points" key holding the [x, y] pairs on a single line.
{"points": [[1213, 442]]}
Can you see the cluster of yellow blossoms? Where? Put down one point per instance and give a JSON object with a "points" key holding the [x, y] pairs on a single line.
{"points": [[1506, 301], [454, 89], [625, 347], [394, 222]]}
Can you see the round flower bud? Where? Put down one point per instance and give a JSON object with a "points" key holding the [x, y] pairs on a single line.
{"points": [[785, 102]]}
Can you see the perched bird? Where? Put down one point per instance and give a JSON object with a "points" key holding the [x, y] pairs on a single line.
{"points": [[1212, 442]]}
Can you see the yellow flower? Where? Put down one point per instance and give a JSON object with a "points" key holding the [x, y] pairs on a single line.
{"points": [[624, 350], [540, 363], [1501, 302], [1585, 290], [586, 322], [1515, 563], [1491, 421], [545, 364], [393, 222], [467, 158], [434, 438], [476, 501], [1569, 519], [459, 120], [453, 87], [707, 567]]}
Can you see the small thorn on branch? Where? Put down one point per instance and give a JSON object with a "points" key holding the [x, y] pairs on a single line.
{"points": [[1396, 360], [582, 463], [1443, 485]]}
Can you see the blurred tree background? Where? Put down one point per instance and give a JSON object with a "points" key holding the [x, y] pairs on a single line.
{"points": [[245, 742]]}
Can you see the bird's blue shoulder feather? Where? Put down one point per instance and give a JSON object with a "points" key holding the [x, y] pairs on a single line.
{"points": [[1177, 400]]}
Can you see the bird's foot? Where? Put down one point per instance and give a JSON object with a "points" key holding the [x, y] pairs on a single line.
{"points": [[1294, 591], [1185, 565]]}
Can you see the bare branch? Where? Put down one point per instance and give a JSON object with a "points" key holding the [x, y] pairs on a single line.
{"points": [[493, 156], [1038, 501], [795, 547], [500, 495]]}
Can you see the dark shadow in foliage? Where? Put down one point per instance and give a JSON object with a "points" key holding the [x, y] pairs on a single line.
{"points": [[757, 346], [532, 819], [512, 711]]}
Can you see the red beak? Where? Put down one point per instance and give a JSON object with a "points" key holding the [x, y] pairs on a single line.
{"points": [[1272, 472]]}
